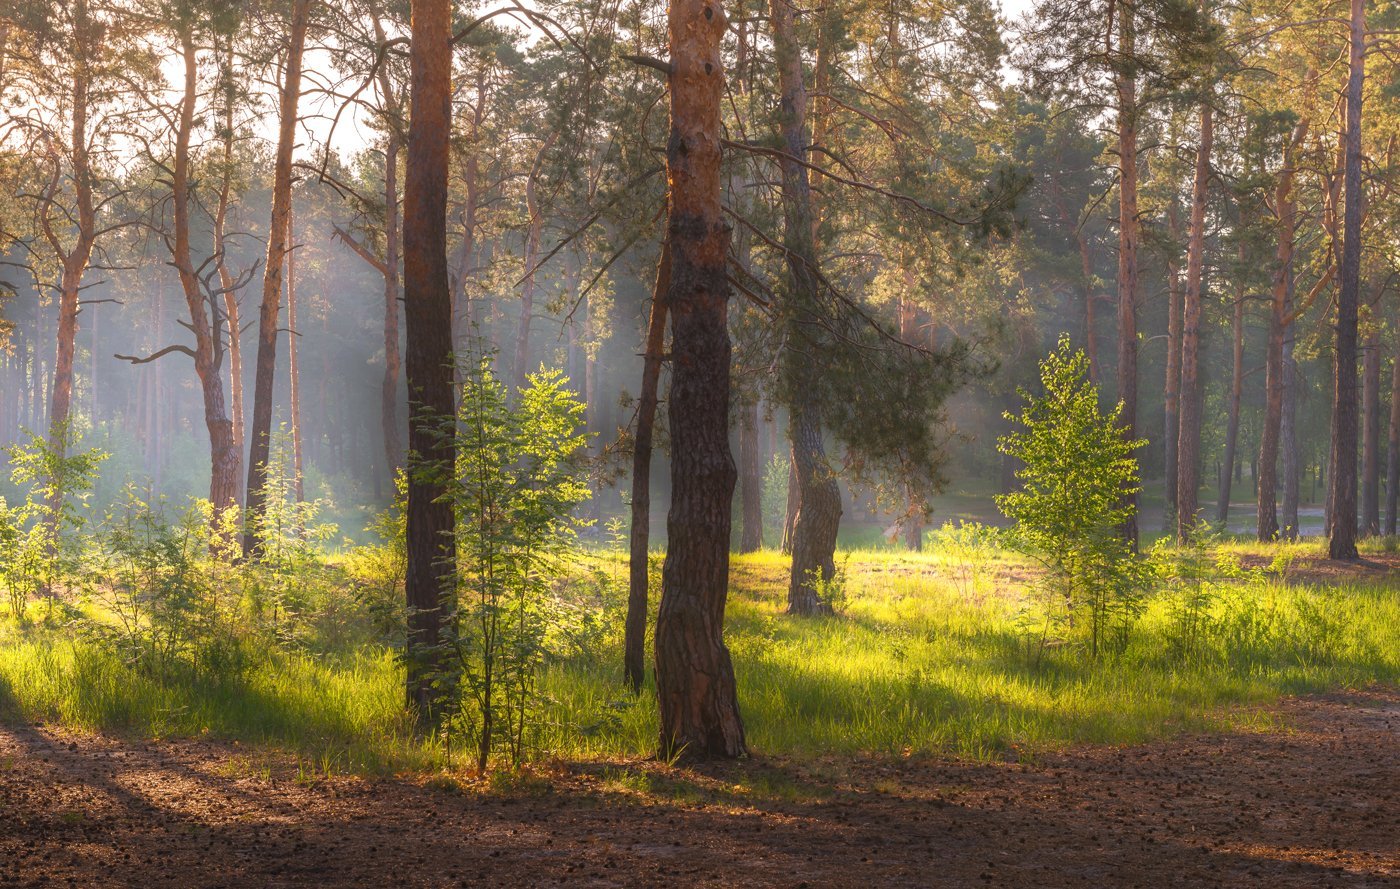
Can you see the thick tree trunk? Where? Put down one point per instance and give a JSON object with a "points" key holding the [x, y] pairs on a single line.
{"points": [[1171, 397], [428, 319], [265, 373], [819, 497], [1128, 239], [1232, 429], [635, 628], [697, 700], [1189, 443], [750, 479], [1371, 432], [1342, 542]]}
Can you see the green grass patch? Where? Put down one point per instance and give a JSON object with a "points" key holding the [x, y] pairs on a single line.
{"points": [[929, 657]]}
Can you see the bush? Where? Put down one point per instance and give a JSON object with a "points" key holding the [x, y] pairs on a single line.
{"points": [[1076, 467], [161, 608], [40, 537], [515, 485]]}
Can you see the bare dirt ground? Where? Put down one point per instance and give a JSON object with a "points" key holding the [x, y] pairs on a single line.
{"points": [[1311, 805]]}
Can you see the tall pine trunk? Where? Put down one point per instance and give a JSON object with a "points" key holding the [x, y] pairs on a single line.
{"points": [[1128, 239], [1171, 393], [1189, 443], [428, 322], [73, 260], [819, 496], [635, 628], [1371, 431], [1392, 453], [1342, 515], [265, 372], [696, 695], [1232, 429]]}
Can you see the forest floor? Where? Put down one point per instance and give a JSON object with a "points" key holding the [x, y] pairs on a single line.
{"points": [[1311, 802]]}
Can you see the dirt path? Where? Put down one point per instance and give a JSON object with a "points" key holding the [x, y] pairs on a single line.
{"points": [[1310, 807]]}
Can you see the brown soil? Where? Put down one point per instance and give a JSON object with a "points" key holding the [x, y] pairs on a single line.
{"points": [[1315, 805]]}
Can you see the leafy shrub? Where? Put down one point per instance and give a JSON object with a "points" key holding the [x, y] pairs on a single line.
{"points": [[515, 485], [160, 607], [969, 547], [40, 537], [1076, 467]]}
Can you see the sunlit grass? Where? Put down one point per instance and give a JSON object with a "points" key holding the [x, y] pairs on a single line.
{"points": [[928, 658]]}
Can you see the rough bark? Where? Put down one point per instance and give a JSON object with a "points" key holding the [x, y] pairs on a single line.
{"points": [[819, 497], [265, 372], [697, 700], [1289, 461], [1189, 443], [1342, 541], [1128, 239], [635, 628], [428, 366], [389, 383]]}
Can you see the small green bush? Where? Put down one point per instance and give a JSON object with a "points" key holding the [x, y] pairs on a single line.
{"points": [[1076, 468]]}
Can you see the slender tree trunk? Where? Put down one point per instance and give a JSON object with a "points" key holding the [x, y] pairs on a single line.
{"points": [[389, 384], [750, 479], [293, 369], [1171, 398], [794, 501], [1371, 431], [227, 283], [428, 319], [1232, 429], [913, 508], [1189, 443], [205, 322], [265, 373], [1128, 239], [819, 512], [1392, 454], [635, 628], [74, 261], [697, 700], [1342, 542]]}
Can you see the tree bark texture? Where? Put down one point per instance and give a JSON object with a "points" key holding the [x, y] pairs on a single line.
{"points": [[697, 699], [428, 366]]}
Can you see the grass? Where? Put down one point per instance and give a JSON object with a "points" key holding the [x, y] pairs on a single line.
{"points": [[929, 657]]}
